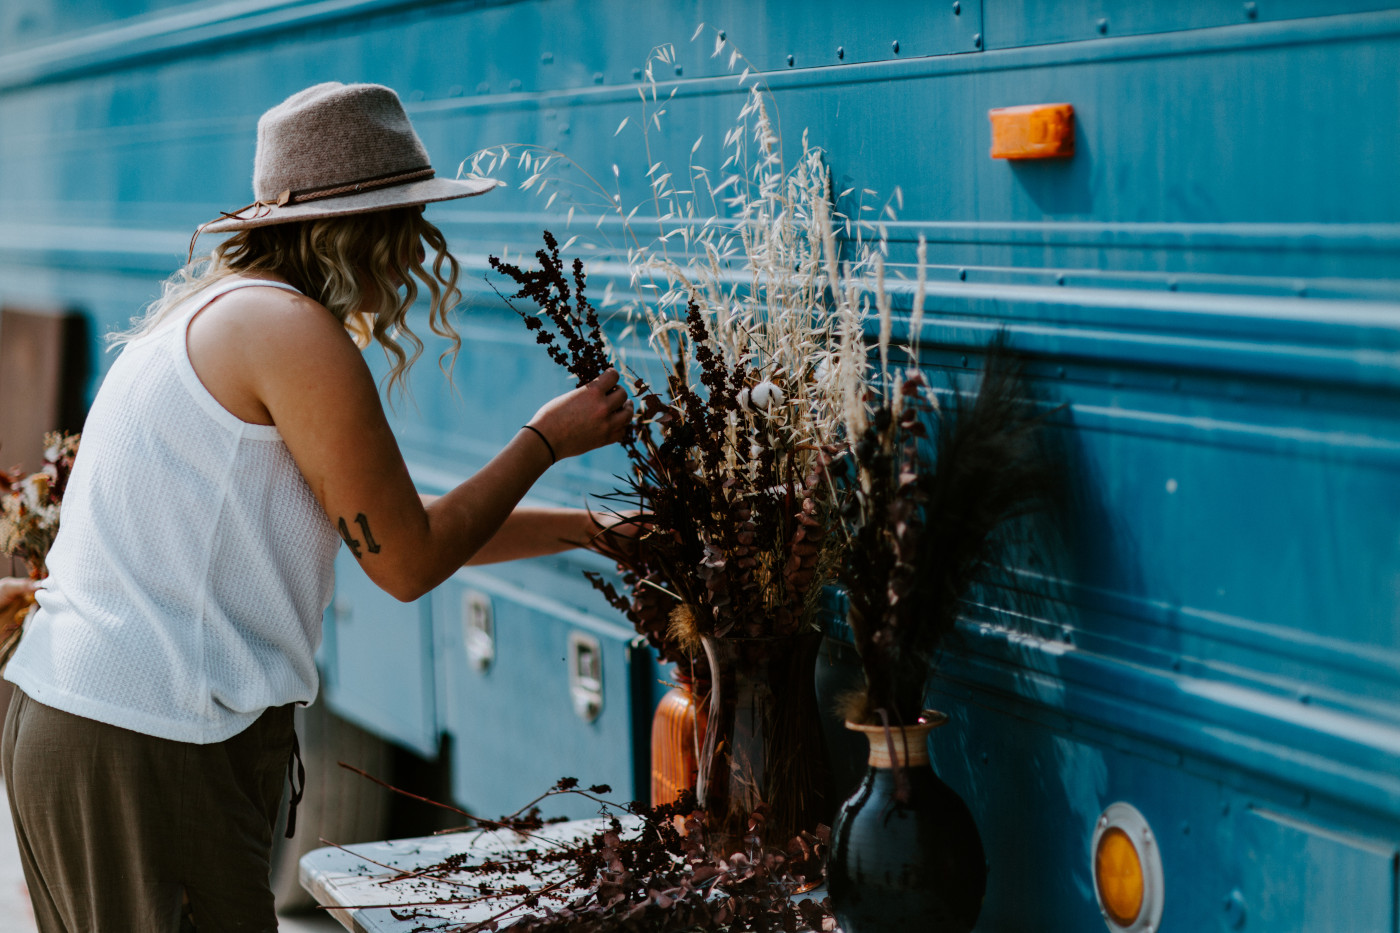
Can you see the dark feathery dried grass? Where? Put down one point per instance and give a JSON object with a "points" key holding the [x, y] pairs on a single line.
{"points": [[930, 493]]}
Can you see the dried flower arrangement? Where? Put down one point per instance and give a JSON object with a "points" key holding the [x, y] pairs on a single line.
{"points": [[729, 454], [742, 299], [743, 296], [29, 513], [929, 489], [643, 869]]}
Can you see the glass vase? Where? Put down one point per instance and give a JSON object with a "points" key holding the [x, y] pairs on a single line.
{"points": [[762, 775]]}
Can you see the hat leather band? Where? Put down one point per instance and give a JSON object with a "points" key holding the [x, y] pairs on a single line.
{"points": [[263, 208]]}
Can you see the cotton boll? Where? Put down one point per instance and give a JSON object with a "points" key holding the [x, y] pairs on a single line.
{"points": [[743, 399], [765, 395]]}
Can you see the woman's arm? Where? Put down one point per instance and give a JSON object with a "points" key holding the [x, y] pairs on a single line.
{"points": [[532, 531], [288, 355]]}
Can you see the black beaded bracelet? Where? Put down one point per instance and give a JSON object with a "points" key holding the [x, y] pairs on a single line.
{"points": [[547, 444]]}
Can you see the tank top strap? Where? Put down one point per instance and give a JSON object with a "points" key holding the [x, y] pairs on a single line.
{"points": [[200, 300]]}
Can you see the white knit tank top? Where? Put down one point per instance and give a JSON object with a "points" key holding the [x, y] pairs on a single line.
{"points": [[192, 564]]}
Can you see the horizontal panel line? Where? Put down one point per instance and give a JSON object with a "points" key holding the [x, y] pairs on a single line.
{"points": [[1125, 612], [497, 587], [1211, 432], [1274, 237], [1349, 342], [1355, 27], [1168, 350], [185, 32], [1349, 755], [181, 32]]}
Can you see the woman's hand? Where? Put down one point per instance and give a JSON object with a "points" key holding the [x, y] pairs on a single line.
{"points": [[585, 419], [615, 534], [15, 590]]}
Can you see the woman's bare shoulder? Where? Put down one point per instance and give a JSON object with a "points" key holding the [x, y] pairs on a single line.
{"points": [[247, 345], [272, 320]]}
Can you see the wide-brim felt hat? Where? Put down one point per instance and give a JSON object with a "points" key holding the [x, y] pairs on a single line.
{"points": [[334, 150]]}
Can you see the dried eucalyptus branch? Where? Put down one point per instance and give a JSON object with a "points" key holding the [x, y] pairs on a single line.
{"points": [[655, 876]]}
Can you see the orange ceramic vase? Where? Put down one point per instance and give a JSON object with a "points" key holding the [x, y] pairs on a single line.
{"points": [[677, 735]]}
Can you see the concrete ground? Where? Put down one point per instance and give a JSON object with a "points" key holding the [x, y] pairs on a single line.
{"points": [[17, 917]]}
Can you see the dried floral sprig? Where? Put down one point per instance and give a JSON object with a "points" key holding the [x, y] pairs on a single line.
{"points": [[29, 505], [29, 513], [930, 491], [654, 874], [585, 352]]}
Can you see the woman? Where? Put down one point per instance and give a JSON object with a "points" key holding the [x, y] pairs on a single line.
{"points": [[235, 444]]}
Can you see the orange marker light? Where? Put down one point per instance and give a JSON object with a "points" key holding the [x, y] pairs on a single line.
{"points": [[1036, 131], [1118, 873]]}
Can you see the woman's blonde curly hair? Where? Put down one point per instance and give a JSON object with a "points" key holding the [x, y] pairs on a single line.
{"points": [[364, 268]]}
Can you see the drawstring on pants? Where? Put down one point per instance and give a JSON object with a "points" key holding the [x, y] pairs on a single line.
{"points": [[296, 777]]}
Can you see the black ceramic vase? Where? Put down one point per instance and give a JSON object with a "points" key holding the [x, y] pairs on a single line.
{"points": [[911, 865]]}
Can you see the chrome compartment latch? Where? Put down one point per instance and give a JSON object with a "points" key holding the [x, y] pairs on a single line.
{"points": [[478, 629], [586, 675]]}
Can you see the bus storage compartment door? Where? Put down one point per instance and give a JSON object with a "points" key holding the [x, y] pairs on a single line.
{"points": [[377, 660], [557, 699]]}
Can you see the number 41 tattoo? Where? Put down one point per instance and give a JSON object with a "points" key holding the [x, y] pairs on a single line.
{"points": [[370, 544]]}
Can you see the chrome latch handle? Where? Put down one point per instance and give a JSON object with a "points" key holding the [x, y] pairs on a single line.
{"points": [[586, 675], [478, 629]]}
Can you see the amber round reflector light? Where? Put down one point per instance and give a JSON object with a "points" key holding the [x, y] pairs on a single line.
{"points": [[1127, 871], [1119, 874]]}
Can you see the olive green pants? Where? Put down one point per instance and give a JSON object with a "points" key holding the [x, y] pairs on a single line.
{"points": [[115, 826]]}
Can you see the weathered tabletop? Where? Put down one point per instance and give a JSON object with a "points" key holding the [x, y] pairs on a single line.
{"points": [[355, 884]]}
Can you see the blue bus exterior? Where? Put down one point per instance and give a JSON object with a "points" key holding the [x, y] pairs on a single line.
{"points": [[1209, 287]]}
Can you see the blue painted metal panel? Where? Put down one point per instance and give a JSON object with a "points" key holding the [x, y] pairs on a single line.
{"points": [[1211, 285], [379, 661], [1037, 784]]}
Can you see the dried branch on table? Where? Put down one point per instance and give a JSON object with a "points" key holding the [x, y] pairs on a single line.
{"points": [[656, 877]]}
